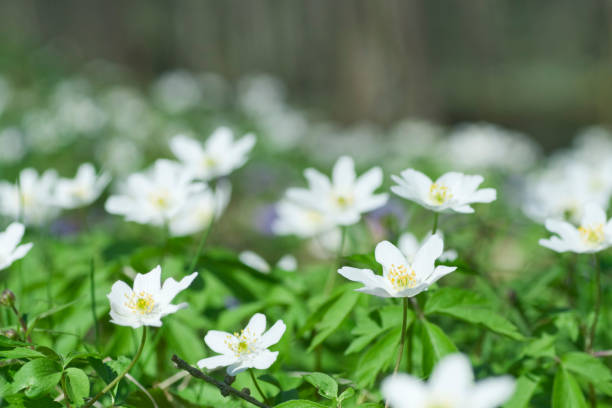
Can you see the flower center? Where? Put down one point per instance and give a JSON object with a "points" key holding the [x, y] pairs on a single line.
{"points": [[209, 162], [81, 192], [439, 193], [244, 345], [401, 277], [140, 303], [593, 235], [314, 217], [160, 199], [344, 200]]}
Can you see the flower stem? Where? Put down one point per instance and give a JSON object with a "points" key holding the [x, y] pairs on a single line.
{"points": [[123, 373], [92, 288], [597, 307], [65, 390], [331, 280], [203, 240], [263, 396], [402, 339], [435, 223]]}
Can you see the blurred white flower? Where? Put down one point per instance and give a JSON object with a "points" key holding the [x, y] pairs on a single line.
{"points": [[304, 222], [83, 189], [200, 209], [31, 200], [12, 145], [343, 198], [260, 95], [219, 156], [156, 195], [451, 385], [10, 250], [593, 235], [482, 146], [120, 155], [255, 261], [452, 192], [247, 349], [401, 278], [409, 245], [413, 138], [148, 301], [177, 91]]}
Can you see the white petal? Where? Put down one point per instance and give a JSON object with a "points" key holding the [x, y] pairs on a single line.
{"points": [[10, 238], [171, 287], [408, 244], [149, 282], [388, 254], [287, 263], [426, 256], [492, 392], [273, 335], [222, 360], [253, 260], [186, 149], [452, 377], [344, 173], [317, 181], [365, 276], [379, 291], [257, 324], [21, 251], [555, 244], [486, 195], [264, 359], [237, 368], [216, 341], [372, 202], [369, 181], [464, 209], [439, 272], [594, 215], [404, 391]]}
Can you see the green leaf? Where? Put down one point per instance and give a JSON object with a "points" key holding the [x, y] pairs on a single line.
{"points": [[37, 377], [542, 347], [77, 384], [300, 404], [6, 342], [21, 352], [587, 367], [346, 394], [470, 307], [436, 345], [566, 391], [525, 388], [377, 358], [327, 386], [334, 317]]}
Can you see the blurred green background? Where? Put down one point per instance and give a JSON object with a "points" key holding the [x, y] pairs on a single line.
{"points": [[542, 67]]}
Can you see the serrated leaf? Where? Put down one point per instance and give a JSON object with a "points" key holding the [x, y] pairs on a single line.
{"points": [[77, 384], [37, 377], [470, 307], [326, 385], [525, 388], [587, 367], [21, 352], [377, 357], [566, 391], [436, 345], [334, 317]]}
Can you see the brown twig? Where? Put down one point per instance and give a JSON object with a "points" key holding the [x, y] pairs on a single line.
{"points": [[224, 388]]}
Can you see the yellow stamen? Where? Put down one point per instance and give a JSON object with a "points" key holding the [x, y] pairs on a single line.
{"points": [[140, 303], [439, 193], [401, 278], [593, 235], [244, 345]]}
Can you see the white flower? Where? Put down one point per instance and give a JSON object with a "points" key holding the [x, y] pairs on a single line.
{"points": [[255, 261], [593, 235], [83, 190], [451, 385], [155, 196], [219, 156], [148, 301], [451, 192], [409, 246], [247, 349], [31, 199], [345, 197], [12, 145], [401, 278], [304, 222], [200, 209], [10, 250], [177, 91], [482, 146]]}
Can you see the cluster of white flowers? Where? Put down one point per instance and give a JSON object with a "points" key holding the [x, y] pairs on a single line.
{"points": [[37, 199], [176, 194]]}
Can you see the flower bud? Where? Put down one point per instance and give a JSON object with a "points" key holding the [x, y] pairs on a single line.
{"points": [[7, 298], [10, 333]]}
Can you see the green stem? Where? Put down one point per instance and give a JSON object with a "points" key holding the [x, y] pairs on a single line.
{"points": [[263, 396], [435, 223], [123, 373], [331, 280], [92, 290], [65, 390], [597, 307], [402, 340], [203, 240]]}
